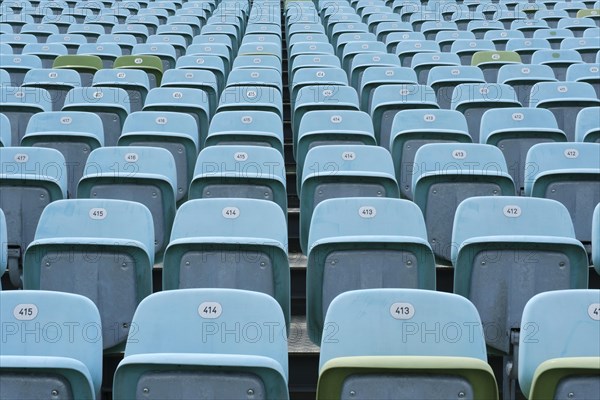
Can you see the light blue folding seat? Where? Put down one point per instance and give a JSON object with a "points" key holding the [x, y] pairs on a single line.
{"points": [[183, 31], [62, 21], [172, 364], [559, 60], [412, 129], [91, 31], [165, 51], [589, 73], [309, 48], [174, 131], [316, 77], [134, 82], [422, 63], [529, 26], [186, 20], [591, 33], [39, 30], [125, 41], [5, 28], [375, 20], [211, 49], [568, 173], [260, 28], [577, 25], [307, 28], [465, 48], [222, 29], [110, 104], [363, 61], [522, 77], [565, 100], [74, 133], [139, 30], [474, 99], [248, 127], [147, 175], [431, 30], [233, 240], [375, 76], [18, 65], [444, 79], [216, 39], [518, 253], [587, 125], [586, 47], [350, 37], [212, 63], [5, 131], [313, 61], [194, 102], [341, 21], [526, 47], [66, 363], [194, 79], [255, 77], [253, 172], [353, 48], [306, 37], [31, 178], [363, 243], [480, 27], [58, 82], [514, 131], [6, 49], [70, 41], [553, 36], [551, 16], [406, 49], [500, 38], [251, 98], [251, 48], [108, 52], [17, 41], [178, 42], [444, 174], [388, 100], [343, 171], [445, 39], [19, 104], [560, 357], [106, 248], [396, 361]]}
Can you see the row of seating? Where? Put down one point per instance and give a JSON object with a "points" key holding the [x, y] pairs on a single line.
{"points": [[431, 344]]}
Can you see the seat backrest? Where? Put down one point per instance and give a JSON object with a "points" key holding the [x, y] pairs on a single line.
{"points": [[587, 125], [5, 133], [548, 94], [544, 338], [32, 313], [513, 120], [352, 316], [3, 245]]}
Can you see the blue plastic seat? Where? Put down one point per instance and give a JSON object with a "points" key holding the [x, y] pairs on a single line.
{"points": [[553, 36], [444, 79], [363, 61], [558, 357], [368, 349], [106, 248], [577, 25], [58, 82], [422, 63], [474, 99], [212, 63], [108, 52], [211, 49], [165, 51], [586, 47], [136, 173], [182, 30], [31, 179], [500, 38], [62, 21], [518, 253], [18, 65], [248, 127], [343, 171], [565, 100], [350, 37], [412, 129], [139, 30], [313, 61], [110, 104], [70, 41], [374, 76], [171, 364], [254, 172], [445, 39], [559, 60], [321, 77], [134, 82], [234, 241], [5, 131], [406, 49], [74, 133], [69, 364], [568, 173], [194, 79], [125, 41], [364, 243], [528, 26], [251, 98], [17, 41], [255, 77], [91, 31], [39, 30], [587, 125], [514, 131], [19, 104], [444, 174], [431, 30], [178, 42], [551, 16], [388, 100], [359, 47], [522, 77], [589, 73], [526, 47], [480, 28]]}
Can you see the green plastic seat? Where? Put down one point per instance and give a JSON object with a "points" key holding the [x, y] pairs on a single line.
{"points": [[85, 65], [491, 61]]}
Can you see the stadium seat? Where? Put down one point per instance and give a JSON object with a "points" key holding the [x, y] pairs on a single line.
{"points": [[147, 175], [491, 61], [526, 47], [587, 125], [374, 76], [500, 38], [406, 50], [71, 42], [253, 172], [85, 65], [75, 134], [514, 131], [134, 82], [57, 82], [105, 246], [125, 41], [586, 47], [138, 30], [553, 36], [46, 52], [361, 62], [446, 38], [19, 104], [568, 173], [3, 245], [259, 128], [110, 104], [565, 100], [233, 240], [173, 131], [363, 243], [67, 363], [444, 79], [5, 131], [529, 26], [368, 350], [560, 357], [559, 60], [108, 52], [444, 174], [151, 64], [465, 48], [422, 63], [39, 30], [18, 65], [166, 364], [315, 77], [589, 73], [474, 99], [480, 28], [577, 25], [522, 77], [412, 129], [31, 179], [343, 171], [17, 41], [518, 253], [90, 31], [596, 239]]}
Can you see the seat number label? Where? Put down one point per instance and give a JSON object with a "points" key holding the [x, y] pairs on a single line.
{"points": [[512, 211], [97, 213], [402, 310], [367, 212], [25, 312], [231, 212], [594, 311], [210, 310]]}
